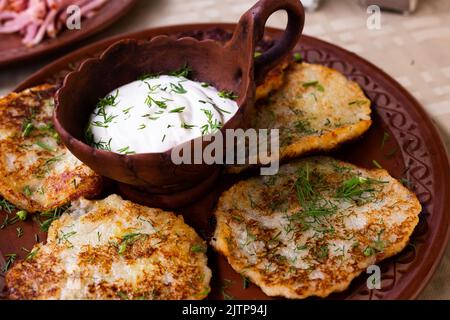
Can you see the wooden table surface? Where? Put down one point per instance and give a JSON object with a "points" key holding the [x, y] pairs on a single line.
{"points": [[414, 49]]}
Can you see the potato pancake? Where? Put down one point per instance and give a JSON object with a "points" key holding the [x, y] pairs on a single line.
{"points": [[314, 227], [316, 109], [38, 172], [114, 249]]}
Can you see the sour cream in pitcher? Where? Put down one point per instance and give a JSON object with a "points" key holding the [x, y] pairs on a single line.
{"points": [[157, 113]]}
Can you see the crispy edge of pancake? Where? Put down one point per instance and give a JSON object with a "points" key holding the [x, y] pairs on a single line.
{"points": [[309, 144], [40, 277], [90, 186], [223, 232], [274, 80]]}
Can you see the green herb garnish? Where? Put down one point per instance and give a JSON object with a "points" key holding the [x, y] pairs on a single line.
{"points": [[32, 254], [215, 106], [152, 89], [160, 103], [10, 259], [147, 76], [312, 202], [407, 183], [227, 95], [377, 164], [187, 126], [314, 84], [126, 151], [49, 217], [179, 89], [321, 253], [386, 137], [27, 128], [109, 100], [128, 240], [7, 221], [226, 284], [237, 218], [50, 129], [369, 251], [27, 191], [7, 206], [357, 102], [102, 145], [391, 153], [297, 57], [45, 146], [303, 126], [177, 110], [64, 237], [212, 124], [245, 282], [354, 188], [122, 295], [22, 215], [183, 72], [150, 117], [127, 110], [197, 248]]}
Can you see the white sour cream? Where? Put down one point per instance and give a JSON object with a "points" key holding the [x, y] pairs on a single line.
{"points": [[156, 114]]}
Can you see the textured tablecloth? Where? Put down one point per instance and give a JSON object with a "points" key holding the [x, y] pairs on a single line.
{"points": [[414, 49]]}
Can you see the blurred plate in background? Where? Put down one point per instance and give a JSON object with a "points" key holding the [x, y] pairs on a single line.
{"points": [[12, 50]]}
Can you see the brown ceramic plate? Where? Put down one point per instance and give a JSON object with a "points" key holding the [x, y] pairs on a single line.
{"points": [[12, 49], [420, 158]]}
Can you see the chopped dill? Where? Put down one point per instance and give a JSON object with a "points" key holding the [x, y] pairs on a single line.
{"points": [[49, 217], [377, 164], [10, 259], [45, 146], [27, 128], [32, 254], [212, 125], [304, 127], [126, 151], [197, 248], [298, 57], [177, 110], [182, 72], [225, 286], [357, 102], [314, 84], [385, 139], [187, 126], [245, 282], [227, 95], [356, 187], [179, 89], [7, 206], [128, 240]]}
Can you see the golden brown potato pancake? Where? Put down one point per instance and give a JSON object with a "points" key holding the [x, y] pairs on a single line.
{"points": [[316, 109], [314, 227], [114, 249], [38, 172]]}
